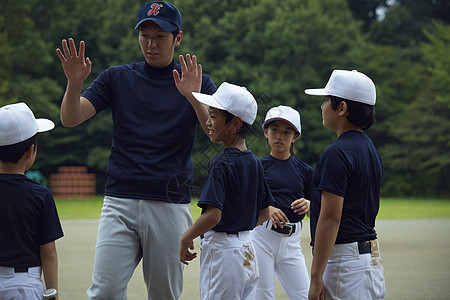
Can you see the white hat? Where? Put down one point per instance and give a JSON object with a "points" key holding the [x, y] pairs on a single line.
{"points": [[286, 114], [237, 100], [17, 124], [350, 85]]}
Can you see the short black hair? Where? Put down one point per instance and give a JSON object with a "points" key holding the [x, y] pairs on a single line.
{"points": [[359, 114], [13, 153], [175, 32], [245, 128]]}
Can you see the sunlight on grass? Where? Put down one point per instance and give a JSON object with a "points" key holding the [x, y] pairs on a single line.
{"points": [[390, 208]]}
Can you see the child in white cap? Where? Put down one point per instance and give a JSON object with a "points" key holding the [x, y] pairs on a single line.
{"points": [[235, 198], [346, 195], [277, 241], [29, 222]]}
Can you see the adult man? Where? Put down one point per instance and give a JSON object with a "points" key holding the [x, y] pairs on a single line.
{"points": [[147, 204]]}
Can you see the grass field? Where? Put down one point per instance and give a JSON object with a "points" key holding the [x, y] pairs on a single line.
{"points": [[390, 208]]}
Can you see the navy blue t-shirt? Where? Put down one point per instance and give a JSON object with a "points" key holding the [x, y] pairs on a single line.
{"points": [[350, 167], [288, 180], [153, 134], [235, 184], [28, 219]]}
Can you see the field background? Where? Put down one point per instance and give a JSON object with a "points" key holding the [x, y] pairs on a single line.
{"points": [[390, 208]]}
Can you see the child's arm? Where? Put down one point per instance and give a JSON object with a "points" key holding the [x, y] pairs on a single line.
{"points": [[264, 215], [204, 223], [301, 206], [49, 260], [275, 214]]}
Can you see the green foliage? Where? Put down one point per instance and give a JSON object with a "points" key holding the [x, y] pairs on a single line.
{"points": [[275, 50]]}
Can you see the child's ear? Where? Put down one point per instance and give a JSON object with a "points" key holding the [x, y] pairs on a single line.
{"points": [[237, 123], [29, 153], [266, 134], [342, 108]]}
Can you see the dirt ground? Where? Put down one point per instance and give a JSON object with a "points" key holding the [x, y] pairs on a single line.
{"points": [[416, 259]]}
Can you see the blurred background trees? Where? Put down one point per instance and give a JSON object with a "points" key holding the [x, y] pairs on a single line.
{"points": [[276, 50]]}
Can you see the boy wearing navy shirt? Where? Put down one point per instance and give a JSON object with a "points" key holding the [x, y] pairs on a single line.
{"points": [[29, 222], [235, 198], [346, 195]]}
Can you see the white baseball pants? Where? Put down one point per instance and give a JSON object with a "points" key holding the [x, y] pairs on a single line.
{"points": [[282, 256], [129, 230], [350, 275], [228, 267], [21, 286]]}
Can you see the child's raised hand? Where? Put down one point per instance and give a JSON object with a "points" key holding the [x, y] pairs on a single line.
{"points": [[301, 206], [277, 216]]}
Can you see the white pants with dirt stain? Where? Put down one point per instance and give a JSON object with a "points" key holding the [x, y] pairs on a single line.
{"points": [[350, 275], [228, 266]]}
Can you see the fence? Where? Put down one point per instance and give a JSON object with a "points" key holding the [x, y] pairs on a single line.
{"points": [[72, 182]]}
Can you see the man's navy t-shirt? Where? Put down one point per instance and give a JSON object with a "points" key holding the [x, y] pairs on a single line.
{"points": [[153, 134]]}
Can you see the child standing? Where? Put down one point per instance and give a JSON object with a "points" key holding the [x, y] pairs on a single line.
{"points": [[277, 241], [346, 194], [29, 223], [235, 198]]}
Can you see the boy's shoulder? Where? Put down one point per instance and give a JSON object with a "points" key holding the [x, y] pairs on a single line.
{"points": [[23, 183]]}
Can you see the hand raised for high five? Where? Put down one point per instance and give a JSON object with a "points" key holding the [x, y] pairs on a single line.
{"points": [[191, 76], [76, 67]]}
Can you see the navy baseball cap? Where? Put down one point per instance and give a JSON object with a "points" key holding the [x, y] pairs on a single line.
{"points": [[165, 14]]}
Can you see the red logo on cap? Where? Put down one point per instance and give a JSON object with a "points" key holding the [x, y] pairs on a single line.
{"points": [[154, 9]]}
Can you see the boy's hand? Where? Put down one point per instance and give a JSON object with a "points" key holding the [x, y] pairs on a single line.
{"points": [[185, 254], [191, 76], [277, 216], [301, 206]]}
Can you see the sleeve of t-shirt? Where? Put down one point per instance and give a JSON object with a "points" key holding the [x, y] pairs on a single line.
{"points": [[308, 181], [335, 172], [49, 224], [213, 192], [208, 86], [99, 92], [267, 195]]}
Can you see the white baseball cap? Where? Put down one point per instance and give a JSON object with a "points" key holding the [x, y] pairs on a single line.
{"points": [[237, 100], [17, 124], [350, 85], [286, 114]]}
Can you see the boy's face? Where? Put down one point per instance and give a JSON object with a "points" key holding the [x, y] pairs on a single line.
{"points": [[217, 126], [329, 115], [280, 136], [157, 45]]}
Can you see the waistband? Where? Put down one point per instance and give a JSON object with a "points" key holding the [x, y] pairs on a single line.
{"points": [[13, 270], [288, 229], [245, 234]]}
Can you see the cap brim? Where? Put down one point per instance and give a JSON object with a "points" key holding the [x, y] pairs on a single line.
{"points": [[166, 26], [316, 92], [208, 100], [268, 121], [45, 125]]}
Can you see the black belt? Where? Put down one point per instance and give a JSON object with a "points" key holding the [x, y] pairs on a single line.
{"points": [[21, 269], [363, 248], [286, 230]]}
